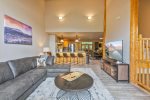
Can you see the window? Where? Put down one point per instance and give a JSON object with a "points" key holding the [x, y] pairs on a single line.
{"points": [[87, 45]]}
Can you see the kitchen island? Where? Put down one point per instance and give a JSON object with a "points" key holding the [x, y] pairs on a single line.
{"points": [[69, 57]]}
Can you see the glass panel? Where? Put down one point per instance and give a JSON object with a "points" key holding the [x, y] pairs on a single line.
{"points": [[83, 47], [86, 46], [87, 43], [90, 47]]}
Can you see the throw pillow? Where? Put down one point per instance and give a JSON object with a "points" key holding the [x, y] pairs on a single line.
{"points": [[50, 60], [42, 60]]}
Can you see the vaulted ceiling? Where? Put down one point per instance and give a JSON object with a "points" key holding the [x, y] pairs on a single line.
{"points": [[75, 15]]}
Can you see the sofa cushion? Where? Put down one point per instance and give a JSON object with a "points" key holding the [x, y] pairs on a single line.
{"points": [[30, 61], [5, 72], [58, 66], [15, 88], [35, 74], [34, 62], [57, 70], [5, 96], [50, 60], [21, 66], [18, 67]]}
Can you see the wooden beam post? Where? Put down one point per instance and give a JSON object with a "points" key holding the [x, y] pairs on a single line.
{"points": [[104, 33], [133, 37]]}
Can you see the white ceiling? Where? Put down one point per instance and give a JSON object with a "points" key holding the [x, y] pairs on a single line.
{"points": [[75, 18], [84, 36], [75, 15]]}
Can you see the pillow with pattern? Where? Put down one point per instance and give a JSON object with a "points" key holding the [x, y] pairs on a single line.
{"points": [[41, 62]]}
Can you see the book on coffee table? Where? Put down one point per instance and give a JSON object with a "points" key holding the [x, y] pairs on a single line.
{"points": [[72, 76]]}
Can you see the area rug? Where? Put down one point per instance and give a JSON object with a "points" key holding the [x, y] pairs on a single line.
{"points": [[48, 91]]}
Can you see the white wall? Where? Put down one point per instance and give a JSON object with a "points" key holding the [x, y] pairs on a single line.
{"points": [[75, 14], [52, 43], [30, 12], [144, 18], [118, 24]]}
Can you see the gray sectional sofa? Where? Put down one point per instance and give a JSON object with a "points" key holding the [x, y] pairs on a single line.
{"points": [[19, 78]]}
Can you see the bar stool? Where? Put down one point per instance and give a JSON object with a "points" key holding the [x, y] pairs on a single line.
{"points": [[66, 58], [59, 58], [80, 58], [73, 58]]}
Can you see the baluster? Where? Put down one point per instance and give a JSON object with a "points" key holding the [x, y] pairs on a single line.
{"points": [[148, 75], [143, 61], [147, 52], [140, 58]]}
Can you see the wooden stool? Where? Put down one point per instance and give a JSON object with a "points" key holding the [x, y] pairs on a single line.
{"points": [[66, 58], [73, 58], [59, 58], [80, 58]]}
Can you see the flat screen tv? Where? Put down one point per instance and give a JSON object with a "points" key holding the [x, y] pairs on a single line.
{"points": [[114, 50]]}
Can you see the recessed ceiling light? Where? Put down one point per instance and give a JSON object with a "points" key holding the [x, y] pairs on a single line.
{"points": [[89, 17], [101, 38], [60, 18]]}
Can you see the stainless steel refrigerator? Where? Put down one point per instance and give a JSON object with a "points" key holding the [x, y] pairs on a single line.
{"points": [[71, 47]]}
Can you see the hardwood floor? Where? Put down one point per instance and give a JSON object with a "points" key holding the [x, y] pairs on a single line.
{"points": [[120, 90]]}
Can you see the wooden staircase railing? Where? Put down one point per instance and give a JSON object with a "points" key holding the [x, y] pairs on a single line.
{"points": [[142, 74]]}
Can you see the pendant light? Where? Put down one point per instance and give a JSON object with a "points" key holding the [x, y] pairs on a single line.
{"points": [[76, 40], [62, 39]]}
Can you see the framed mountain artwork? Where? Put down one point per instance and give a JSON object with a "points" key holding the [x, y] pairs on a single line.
{"points": [[16, 32]]}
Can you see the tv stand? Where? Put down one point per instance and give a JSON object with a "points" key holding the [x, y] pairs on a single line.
{"points": [[117, 70]]}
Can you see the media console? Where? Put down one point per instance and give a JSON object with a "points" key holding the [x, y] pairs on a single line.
{"points": [[117, 70]]}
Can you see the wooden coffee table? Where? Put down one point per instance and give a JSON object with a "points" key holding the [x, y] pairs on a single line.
{"points": [[75, 89]]}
